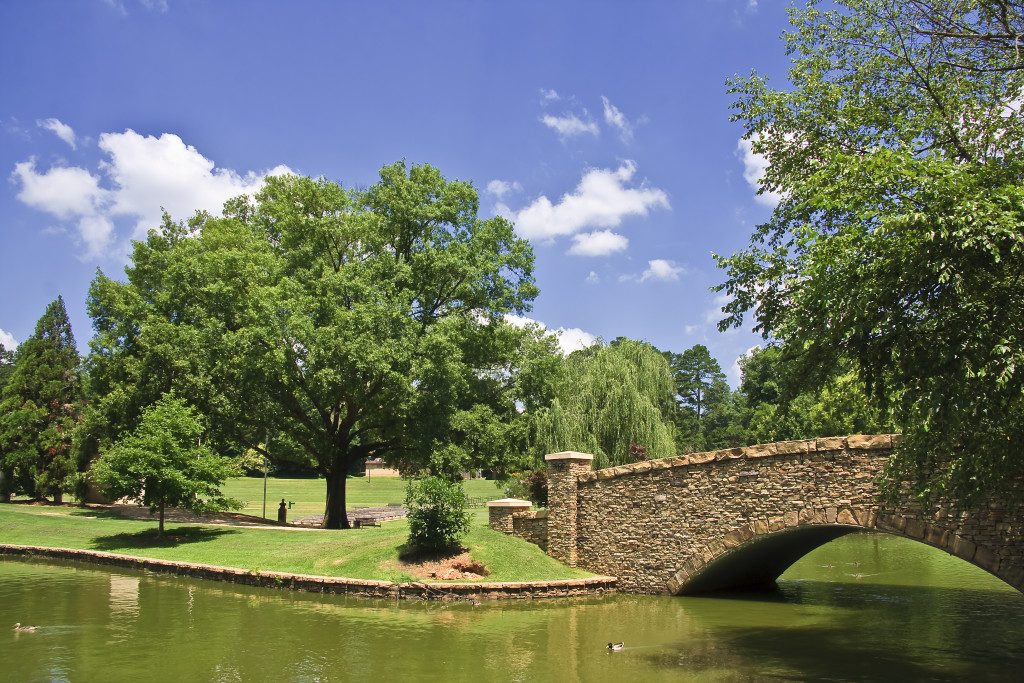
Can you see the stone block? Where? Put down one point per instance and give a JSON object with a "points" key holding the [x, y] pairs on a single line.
{"points": [[776, 524], [986, 559], [806, 516], [832, 443], [760, 451], [914, 529], [869, 442], [963, 548], [845, 516], [728, 454], [936, 536], [701, 458], [792, 447], [760, 527], [791, 518], [830, 515]]}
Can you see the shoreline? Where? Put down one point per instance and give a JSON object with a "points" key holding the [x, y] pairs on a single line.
{"points": [[333, 585]]}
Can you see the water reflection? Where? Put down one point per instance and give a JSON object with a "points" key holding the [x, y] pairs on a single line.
{"points": [[822, 623]]}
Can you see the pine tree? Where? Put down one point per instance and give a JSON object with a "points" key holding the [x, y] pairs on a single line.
{"points": [[39, 408]]}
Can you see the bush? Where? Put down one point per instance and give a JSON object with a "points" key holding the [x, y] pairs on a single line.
{"points": [[437, 513]]}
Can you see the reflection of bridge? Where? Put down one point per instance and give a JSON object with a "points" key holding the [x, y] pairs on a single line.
{"points": [[740, 517]]}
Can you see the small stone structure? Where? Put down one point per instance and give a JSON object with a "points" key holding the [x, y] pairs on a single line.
{"points": [[741, 516]]}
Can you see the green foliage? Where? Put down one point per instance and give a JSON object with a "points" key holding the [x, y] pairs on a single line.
{"points": [[608, 398], [347, 324], [437, 513], [898, 245], [40, 408], [164, 463]]}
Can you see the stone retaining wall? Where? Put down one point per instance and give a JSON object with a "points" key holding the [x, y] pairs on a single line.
{"points": [[532, 526], [330, 584]]}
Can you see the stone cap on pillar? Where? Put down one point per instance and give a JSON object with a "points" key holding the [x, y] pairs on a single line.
{"points": [[509, 503], [569, 455]]}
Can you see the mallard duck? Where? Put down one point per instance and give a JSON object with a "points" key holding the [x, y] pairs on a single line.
{"points": [[19, 627], [615, 646]]}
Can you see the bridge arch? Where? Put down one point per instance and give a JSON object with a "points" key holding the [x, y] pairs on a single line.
{"points": [[741, 516]]}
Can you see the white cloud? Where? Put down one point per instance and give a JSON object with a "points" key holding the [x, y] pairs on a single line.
{"points": [[754, 166], [500, 188], [661, 269], [141, 175], [592, 279], [63, 191], [62, 130], [714, 314], [548, 96], [598, 243], [601, 200], [7, 340], [570, 125], [614, 117], [569, 339]]}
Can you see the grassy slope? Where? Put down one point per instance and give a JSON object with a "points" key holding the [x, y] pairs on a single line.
{"points": [[370, 553]]}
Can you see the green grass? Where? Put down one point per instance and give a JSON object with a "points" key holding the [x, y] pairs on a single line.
{"points": [[368, 553], [309, 495]]}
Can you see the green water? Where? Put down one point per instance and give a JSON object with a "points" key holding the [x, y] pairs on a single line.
{"points": [[863, 608]]}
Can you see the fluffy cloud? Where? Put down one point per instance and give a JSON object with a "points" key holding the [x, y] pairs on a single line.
{"points": [[500, 188], [140, 175], [598, 243], [7, 340], [660, 269], [592, 279], [570, 125], [569, 339], [754, 166], [601, 200], [62, 130], [548, 96], [615, 118]]}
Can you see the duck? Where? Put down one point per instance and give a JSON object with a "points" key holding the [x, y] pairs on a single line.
{"points": [[615, 646], [19, 627]]}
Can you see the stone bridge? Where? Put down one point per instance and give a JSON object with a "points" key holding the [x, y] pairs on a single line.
{"points": [[739, 517]]}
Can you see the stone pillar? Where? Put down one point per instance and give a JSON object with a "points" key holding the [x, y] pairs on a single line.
{"points": [[499, 513], [563, 468]]}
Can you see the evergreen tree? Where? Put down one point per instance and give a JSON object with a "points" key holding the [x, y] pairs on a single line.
{"points": [[39, 409]]}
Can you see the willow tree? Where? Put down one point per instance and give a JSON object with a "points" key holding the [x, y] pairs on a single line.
{"points": [[609, 399], [354, 324]]}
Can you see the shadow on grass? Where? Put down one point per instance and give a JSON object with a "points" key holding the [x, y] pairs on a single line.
{"points": [[98, 513], [171, 538]]}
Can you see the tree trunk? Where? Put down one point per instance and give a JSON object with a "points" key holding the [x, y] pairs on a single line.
{"points": [[334, 515], [160, 532], [58, 498]]}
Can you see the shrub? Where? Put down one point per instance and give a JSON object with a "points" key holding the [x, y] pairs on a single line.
{"points": [[437, 513]]}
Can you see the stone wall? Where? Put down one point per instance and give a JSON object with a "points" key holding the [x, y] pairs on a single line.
{"points": [[532, 526], [659, 525]]}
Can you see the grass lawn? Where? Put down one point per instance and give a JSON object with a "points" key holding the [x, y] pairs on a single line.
{"points": [[368, 553], [309, 495]]}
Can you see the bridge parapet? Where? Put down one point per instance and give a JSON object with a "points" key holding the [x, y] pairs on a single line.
{"points": [[873, 442], [671, 525]]}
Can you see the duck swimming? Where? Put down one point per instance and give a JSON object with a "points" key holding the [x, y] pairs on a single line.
{"points": [[19, 627], [615, 646]]}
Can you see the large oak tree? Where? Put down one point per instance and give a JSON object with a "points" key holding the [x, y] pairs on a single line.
{"points": [[351, 324]]}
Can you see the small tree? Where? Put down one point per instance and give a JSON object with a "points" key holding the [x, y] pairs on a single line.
{"points": [[163, 463], [437, 513]]}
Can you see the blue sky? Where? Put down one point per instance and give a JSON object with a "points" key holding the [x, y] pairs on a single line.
{"points": [[600, 128]]}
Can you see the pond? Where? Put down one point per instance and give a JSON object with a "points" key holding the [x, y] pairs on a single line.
{"points": [[864, 607]]}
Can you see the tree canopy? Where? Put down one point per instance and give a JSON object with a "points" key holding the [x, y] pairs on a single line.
{"points": [[40, 408], [164, 462], [351, 324], [607, 399], [898, 241]]}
